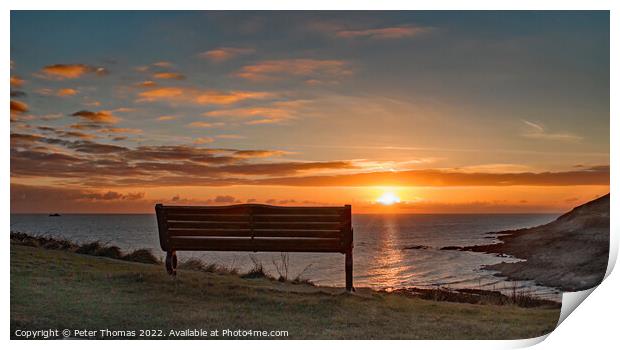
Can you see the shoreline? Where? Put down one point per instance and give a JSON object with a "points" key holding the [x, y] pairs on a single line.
{"points": [[569, 253]]}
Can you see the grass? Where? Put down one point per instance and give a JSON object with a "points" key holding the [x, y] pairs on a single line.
{"points": [[64, 290]]}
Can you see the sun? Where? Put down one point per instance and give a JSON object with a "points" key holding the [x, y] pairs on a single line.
{"points": [[388, 198]]}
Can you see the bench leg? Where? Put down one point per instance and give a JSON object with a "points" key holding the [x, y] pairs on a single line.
{"points": [[348, 267], [171, 263]]}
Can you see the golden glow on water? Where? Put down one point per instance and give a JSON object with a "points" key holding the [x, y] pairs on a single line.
{"points": [[388, 264]]}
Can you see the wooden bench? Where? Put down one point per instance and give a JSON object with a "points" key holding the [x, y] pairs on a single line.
{"points": [[256, 228]]}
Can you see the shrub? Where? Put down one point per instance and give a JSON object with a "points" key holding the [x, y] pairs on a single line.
{"points": [[144, 256]]}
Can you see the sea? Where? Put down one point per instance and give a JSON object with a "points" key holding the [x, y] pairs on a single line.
{"points": [[383, 257]]}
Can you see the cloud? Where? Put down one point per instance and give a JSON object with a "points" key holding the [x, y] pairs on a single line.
{"points": [[16, 81], [39, 199], [104, 117], [112, 195], [86, 126], [146, 84], [203, 140], [132, 131], [169, 75], [258, 153], [65, 133], [384, 32], [98, 164], [537, 131], [18, 107], [224, 199], [71, 71], [273, 113], [225, 53], [67, 92], [204, 125], [200, 97], [163, 64], [301, 67], [164, 118], [16, 93], [230, 136], [72, 159], [440, 178]]}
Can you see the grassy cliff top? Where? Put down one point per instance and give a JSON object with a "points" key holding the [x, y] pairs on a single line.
{"points": [[62, 289]]}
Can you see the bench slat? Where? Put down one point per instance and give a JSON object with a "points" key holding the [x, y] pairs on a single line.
{"points": [[297, 218], [298, 225], [209, 232], [208, 224], [269, 210], [261, 244], [257, 233], [254, 208], [208, 217]]}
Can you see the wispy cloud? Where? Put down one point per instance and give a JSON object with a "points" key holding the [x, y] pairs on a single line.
{"points": [[538, 131], [165, 118], [203, 140], [315, 69], [400, 32], [225, 53], [353, 30], [169, 75], [200, 124], [230, 136], [273, 113], [199, 96]]}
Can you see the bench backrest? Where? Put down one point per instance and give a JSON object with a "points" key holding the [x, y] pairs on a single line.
{"points": [[255, 227]]}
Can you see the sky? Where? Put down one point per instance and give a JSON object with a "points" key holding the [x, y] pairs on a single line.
{"points": [[441, 112]]}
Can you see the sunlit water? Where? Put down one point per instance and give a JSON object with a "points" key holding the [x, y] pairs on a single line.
{"points": [[380, 258]]}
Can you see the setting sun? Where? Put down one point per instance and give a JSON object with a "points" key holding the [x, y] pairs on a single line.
{"points": [[388, 198]]}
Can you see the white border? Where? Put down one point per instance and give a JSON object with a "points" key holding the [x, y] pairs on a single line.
{"points": [[594, 323]]}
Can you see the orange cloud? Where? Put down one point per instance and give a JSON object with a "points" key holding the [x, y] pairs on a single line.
{"points": [[166, 118], [146, 83], [204, 125], [163, 64], [122, 131], [229, 136], [169, 75], [258, 153], [274, 113], [104, 117], [200, 97], [225, 53], [301, 67], [67, 92], [18, 107], [16, 81], [71, 71], [203, 140], [433, 177]]}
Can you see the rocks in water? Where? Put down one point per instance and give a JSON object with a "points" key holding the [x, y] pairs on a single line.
{"points": [[417, 247]]}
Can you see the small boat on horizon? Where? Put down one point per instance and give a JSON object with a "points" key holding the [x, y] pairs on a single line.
{"points": [[54, 214]]}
